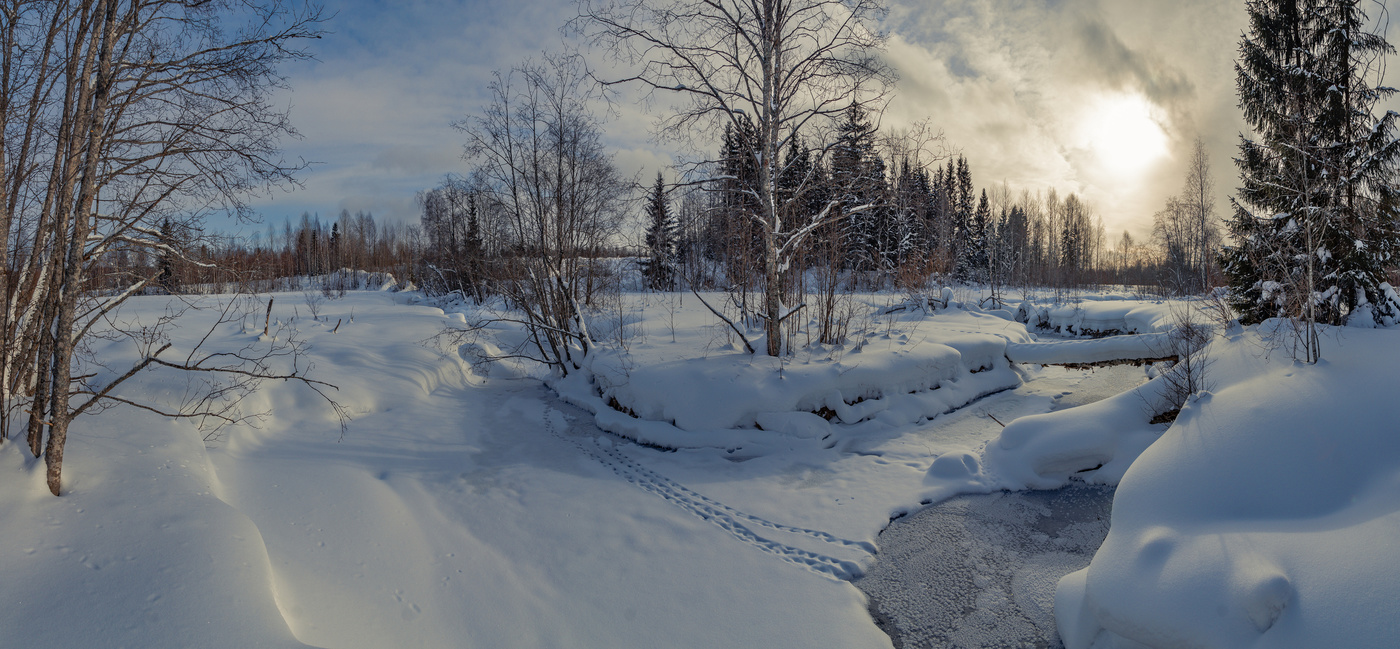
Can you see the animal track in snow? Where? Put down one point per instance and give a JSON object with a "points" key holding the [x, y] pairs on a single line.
{"points": [[739, 524]]}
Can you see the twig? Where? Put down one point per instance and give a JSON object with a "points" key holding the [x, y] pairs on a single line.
{"points": [[97, 396], [742, 337]]}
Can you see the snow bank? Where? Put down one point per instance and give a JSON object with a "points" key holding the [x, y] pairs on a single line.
{"points": [[1266, 516], [1112, 348], [139, 552], [903, 376], [1095, 443], [733, 401], [910, 362], [1099, 317]]}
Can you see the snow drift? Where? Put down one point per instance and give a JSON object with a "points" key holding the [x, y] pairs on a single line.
{"points": [[1267, 516]]}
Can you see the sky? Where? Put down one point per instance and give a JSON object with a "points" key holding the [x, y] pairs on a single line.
{"points": [[1101, 98]]}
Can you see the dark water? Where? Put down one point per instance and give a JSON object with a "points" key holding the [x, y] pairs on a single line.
{"points": [[980, 571]]}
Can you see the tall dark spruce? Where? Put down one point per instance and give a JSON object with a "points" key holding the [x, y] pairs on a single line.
{"points": [[659, 267], [1314, 222]]}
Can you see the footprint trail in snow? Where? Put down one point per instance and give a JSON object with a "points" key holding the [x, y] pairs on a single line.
{"points": [[739, 524]]}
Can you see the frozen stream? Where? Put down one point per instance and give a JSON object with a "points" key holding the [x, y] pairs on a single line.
{"points": [[980, 570]]}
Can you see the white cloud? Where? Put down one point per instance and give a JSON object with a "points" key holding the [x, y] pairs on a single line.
{"points": [[1009, 81], [1016, 85]]}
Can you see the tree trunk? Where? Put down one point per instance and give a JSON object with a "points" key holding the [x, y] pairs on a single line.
{"points": [[93, 109]]}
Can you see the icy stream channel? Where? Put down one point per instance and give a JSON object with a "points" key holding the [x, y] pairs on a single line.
{"points": [[980, 570]]}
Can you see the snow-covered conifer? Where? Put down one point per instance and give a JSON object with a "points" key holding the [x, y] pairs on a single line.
{"points": [[659, 267], [1314, 223]]}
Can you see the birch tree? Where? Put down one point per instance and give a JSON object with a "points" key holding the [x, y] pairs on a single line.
{"points": [[119, 115], [785, 65], [556, 198]]}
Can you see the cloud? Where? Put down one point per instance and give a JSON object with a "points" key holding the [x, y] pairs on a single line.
{"points": [[1012, 83], [1015, 85], [1115, 63], [376, 109]]}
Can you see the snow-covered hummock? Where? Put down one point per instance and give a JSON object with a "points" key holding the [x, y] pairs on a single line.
{"points": [[1268, 515], [1095, 443], [912, 364], [912, 367], [1054, 352], [1098, 315]]}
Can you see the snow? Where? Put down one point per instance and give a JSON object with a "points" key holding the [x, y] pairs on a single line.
{"points": [[467, 506], [1059, 352], [1098, 315], [1266, 516], [737, 400], [911, 366], [1095, 443], [470, 504], [140, 552]]}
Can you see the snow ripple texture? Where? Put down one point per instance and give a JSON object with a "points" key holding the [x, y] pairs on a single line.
{"points": [[980, 571], [739, 524]]}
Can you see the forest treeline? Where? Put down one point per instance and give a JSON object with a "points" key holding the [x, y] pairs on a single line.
{"points": [[922, 221], [929, 224]]}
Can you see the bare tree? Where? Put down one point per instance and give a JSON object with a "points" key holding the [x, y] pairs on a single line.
{"points": [[120, 114], [776, 66], [1188, 230], [1188, 342], [1199, 195], [554, 195]]}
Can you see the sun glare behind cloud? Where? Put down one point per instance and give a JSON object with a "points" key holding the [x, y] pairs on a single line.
{"points": [[1124, 134]]}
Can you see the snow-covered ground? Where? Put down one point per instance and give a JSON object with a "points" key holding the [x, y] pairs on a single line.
{"points": [[1269, 514], [470, 505]]}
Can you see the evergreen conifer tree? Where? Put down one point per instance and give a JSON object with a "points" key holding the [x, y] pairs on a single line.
{"points": [[1314, 222], [659, 267], [858, 176], [964, 237], [981, 239], [167, 279]]}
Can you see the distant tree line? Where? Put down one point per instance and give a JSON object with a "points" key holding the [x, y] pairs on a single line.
{"points": [[900, 219], [292, 257]]}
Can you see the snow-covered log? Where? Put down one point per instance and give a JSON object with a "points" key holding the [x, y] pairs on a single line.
{"points": [[1144, 347]]}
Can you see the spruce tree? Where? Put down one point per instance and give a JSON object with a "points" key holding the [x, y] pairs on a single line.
{"points": [[964, 212], [859, 178], [981, 239], [1359, 163], [167, 279], [1314, 222], [659, 267], [474, 263], [335, 246]]}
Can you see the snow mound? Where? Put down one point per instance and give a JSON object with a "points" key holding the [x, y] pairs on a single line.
{"points": [[916, 366], [1101, 315], [1113, 348], [1266, 516], [735, 400], [1095, 443], [94, 569]]}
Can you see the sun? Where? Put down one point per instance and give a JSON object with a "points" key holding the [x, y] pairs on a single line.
{"points": [[1124, 133]]}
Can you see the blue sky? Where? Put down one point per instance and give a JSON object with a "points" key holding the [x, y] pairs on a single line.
{"points": [[1036, 93]]}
